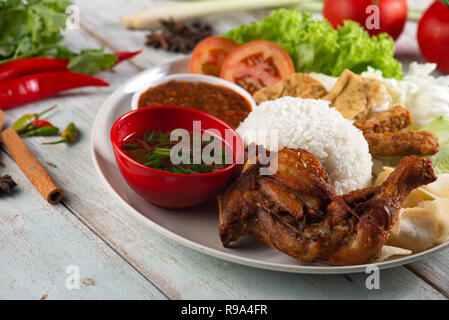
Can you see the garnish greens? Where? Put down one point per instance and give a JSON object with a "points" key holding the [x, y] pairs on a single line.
{"points": [[315, 46], [33, 28], [153, 149], [440, 127]]}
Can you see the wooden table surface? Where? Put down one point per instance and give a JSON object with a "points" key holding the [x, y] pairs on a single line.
{"points": [[118, 257]]}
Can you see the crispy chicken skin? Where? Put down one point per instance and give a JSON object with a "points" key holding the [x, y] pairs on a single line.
{"points": [[394, 119], [297, 212], [402, 143]]}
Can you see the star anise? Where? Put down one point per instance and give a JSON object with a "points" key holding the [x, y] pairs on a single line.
{"points": [[178, 36], [6, 184]]}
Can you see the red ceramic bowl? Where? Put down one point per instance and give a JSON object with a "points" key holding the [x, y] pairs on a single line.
{"points": [[166, 189]]}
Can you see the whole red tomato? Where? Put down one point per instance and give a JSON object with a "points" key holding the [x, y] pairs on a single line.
{"points": [[433, 35], [393, 14]]}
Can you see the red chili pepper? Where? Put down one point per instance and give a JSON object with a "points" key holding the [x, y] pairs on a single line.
{"points": [[31, 88], [125, 55], [39, 123], [29, 66], [23, 67]]}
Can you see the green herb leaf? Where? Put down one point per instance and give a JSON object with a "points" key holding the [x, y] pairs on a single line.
{"points": [[33, 29], [154, 163], [131, 146], [163, 138], [30, 28], [178, 169], [91, 61]]}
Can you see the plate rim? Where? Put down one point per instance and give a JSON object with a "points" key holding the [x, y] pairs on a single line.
{"points": [[214, 252]]}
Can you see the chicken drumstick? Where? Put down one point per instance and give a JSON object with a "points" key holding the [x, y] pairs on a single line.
{"points": [[297, 212]]}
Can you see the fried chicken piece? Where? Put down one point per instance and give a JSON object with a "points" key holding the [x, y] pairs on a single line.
{"points": [[345, 230], [394, 119], [402, 143], [298, 85], [354, 95]]}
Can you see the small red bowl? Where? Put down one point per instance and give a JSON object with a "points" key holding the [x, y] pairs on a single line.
{"points": [[166, 189]]}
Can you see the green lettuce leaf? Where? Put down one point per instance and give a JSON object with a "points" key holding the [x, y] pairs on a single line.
{"points": [[440, 127], [315, 46]]}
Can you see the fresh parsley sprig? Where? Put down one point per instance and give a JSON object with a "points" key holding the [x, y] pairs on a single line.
{"points": [[33, 28]]}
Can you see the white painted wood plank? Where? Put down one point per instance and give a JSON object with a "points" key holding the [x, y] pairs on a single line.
{"points": [[435, 270], [39, 241], [178, 271], [105, 24], [406, 46]]}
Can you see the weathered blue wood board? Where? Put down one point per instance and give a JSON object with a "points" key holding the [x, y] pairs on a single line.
{"points": [[123, 257]]}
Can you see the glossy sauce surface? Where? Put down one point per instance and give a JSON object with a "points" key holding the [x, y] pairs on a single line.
{"points": [[216, 100]]}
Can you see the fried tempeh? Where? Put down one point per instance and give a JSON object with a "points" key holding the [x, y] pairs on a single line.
{"points": [[353, 95], [298, 85], [394, 119], [402, 143]]}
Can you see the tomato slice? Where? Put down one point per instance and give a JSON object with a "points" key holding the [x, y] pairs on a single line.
{"points": [[257, 64], [209, 54]]}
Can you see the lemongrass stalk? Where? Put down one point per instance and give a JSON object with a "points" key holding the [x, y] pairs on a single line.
{"points": [[150, 18], [415, 14], [312, 6]]}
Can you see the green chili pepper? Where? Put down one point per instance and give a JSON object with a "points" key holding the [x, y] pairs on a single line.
{"points": [[24, 123], [42, 131], [67, 136]]}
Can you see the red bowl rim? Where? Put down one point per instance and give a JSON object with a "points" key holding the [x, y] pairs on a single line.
{"points": [[209, 174]]}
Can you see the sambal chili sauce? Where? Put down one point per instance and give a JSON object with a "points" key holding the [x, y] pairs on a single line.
{"points": [[216, 100]]}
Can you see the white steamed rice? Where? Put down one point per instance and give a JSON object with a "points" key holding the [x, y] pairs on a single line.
{"points": [[313, 126]]}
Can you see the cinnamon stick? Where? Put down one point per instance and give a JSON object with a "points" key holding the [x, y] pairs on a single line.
{"points": [[1, 119], [32, 168]]}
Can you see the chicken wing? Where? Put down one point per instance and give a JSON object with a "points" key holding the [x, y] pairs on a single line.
{"points": [[297, 212]]}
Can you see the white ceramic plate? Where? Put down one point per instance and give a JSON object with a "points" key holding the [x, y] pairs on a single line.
{"points": [[196, 227]]}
